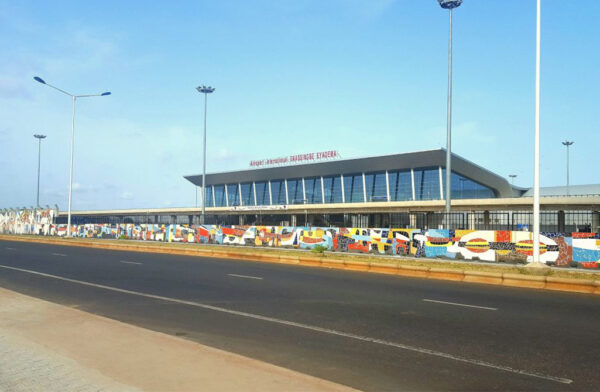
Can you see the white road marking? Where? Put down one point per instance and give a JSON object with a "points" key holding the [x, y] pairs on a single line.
{"points": [[328, 331], [245, 276], [59, 254], [11, 248], [129, 262], [457, 304]]}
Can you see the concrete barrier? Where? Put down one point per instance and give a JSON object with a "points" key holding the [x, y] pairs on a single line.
{"points": [[516, 280], [483, 277], [446, 274], [391, 268]]}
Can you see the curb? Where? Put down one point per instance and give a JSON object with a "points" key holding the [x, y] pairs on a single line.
{"points": [[588, 286]]}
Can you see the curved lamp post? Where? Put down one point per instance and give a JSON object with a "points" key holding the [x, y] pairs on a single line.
{"points": [[74, 97]]}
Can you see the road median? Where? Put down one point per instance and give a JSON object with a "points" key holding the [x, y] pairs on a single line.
{"points": [[470, 272]]}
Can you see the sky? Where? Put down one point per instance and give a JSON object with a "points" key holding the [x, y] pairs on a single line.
{"points": [[363, 77]]}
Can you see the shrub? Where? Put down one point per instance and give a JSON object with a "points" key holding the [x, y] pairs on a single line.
{"points": [[319, 249]]}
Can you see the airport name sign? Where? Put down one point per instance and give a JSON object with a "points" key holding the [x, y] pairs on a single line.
{"points": [[294, 159]]}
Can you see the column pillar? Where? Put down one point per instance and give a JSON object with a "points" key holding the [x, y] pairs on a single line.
{"points": [[412, 217], [596, 221], [471, 220], [561, 221], [486, 220]]}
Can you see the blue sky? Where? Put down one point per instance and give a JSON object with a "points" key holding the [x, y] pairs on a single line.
{"points": [[362, 77]]}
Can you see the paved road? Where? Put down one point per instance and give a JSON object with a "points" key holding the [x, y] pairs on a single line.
{"points": [[368, 331]]}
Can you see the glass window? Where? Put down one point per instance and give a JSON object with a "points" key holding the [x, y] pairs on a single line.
{"points": [[247, 194], [427, 183], [220, 196], [376, 186], [278, 192], [465, 188], [400, 185], [295, 192], [353, 188], [313, 190], [262, 193], [333, 189], [233, 194], [208, 199]]}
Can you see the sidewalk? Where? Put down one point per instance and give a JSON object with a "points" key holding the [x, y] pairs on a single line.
{"points": [[48, 347]]}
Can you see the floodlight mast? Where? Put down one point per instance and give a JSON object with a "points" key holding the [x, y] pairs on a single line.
{"points": [[449, 5], [536, 151], [567, 144], [204, 90], [74, 98]]}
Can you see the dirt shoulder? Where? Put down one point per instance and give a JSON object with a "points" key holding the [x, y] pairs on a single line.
{"points": [[116, 356]]}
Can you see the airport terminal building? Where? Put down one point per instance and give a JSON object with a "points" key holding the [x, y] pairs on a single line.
{"points": [[399, 190]]}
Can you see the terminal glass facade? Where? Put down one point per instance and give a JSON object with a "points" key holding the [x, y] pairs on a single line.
{"points": [[312, 188], [427, 184], [376, 186], [353, 188], [220, 200], [464, 188], [262, 193], [400, 185], [395, 185], [233, 195], [332, 189], [247, 194], [208, 197], [278, 192], [295, 191]]}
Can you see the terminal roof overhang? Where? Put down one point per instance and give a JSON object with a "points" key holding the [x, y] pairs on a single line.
{"points": [[405, 161]]}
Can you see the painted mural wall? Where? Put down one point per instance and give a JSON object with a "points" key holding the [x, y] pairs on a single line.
{"points": [[574, 249], [27, 221]]}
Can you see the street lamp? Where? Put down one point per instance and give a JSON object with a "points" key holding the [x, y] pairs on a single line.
{"points": [[204, 90], [512, 179], [449, 5], [74, 97], [567, 143], [39, 138]]}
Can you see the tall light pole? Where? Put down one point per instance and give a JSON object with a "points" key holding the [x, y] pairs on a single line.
{"points": [[39, 138], [204, 90], [449, 5], [567, 143], [74, 97], [536, 165], [512, 179]]}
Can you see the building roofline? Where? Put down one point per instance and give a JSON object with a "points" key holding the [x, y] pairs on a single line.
{"points": [[401, 161]]}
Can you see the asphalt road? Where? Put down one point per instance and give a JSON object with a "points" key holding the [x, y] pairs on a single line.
{"points": [[368, 331]]}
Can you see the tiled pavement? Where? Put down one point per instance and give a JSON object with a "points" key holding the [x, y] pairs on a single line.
{"points": [[26, 367]]}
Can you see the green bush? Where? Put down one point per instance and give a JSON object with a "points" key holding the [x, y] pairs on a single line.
{"points": [[319, 249]]}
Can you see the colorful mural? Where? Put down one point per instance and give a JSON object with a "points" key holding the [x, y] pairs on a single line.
{"points": [[27, 221], [574, 249]]}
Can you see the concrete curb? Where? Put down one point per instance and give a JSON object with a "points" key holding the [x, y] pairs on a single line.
{"points": [[394, 268]]}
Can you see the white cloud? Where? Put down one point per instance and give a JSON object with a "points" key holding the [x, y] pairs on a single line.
{"points": [[126, 195]]}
